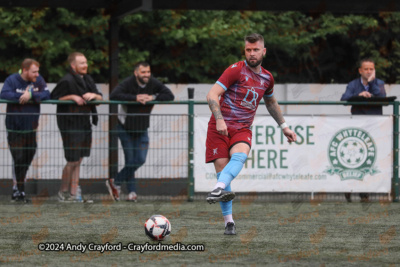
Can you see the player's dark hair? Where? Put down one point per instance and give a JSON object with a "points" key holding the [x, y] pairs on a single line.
{"points": [[254, 37], [366, 60], [141, 63], [72, 56], [27, 63]]}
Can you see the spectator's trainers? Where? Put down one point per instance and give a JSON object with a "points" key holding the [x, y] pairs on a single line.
{"points": [[66, 197], [132, 197], [230, 229], [19, 197], [14, 195], [63, 196], [220, 195], [114, 190]]}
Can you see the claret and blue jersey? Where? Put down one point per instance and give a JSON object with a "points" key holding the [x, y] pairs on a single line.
{"points": [[244, 90]]}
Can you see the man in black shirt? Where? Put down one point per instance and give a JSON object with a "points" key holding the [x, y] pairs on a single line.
{"points": [[133, 122], [75, 127]]}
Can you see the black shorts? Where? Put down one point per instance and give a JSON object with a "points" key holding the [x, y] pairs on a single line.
{"points": [[76, 143]]}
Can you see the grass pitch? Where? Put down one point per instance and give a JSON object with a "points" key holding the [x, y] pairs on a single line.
{"points": [[269, 234]]}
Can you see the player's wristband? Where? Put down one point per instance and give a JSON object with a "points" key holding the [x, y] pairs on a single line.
{"points": [[283, 125]]}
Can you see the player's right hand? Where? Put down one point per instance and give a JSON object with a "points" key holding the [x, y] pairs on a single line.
{"points": [[290, 135], [221, 127]]}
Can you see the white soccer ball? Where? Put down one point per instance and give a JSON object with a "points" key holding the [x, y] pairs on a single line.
{"points": [[157, 227]]}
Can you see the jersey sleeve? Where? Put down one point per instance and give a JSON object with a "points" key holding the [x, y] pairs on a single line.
{"points": [[230, 76], [8, 92], [270, 90]]}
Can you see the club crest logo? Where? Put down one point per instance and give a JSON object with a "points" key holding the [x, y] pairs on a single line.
{"points": [[250, 100], [352, 154]]}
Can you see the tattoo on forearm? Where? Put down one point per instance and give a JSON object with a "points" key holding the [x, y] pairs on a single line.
{"points": [[275, 111], [215, 109]]}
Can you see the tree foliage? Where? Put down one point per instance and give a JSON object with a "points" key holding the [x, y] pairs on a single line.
{"points": [[197, 46], [49, 35]]}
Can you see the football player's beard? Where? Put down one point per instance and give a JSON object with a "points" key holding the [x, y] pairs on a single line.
{"points": [[253, 65]]}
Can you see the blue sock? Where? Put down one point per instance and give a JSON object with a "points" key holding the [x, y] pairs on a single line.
{"points": [[233, 168], [226, 207]]}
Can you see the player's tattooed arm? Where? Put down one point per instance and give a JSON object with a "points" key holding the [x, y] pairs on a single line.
{"points": [[215, 109], [213, 102], [276, 113], [274, 109]]}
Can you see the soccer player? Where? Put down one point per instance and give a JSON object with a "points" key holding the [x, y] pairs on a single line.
{"points": [[233, 101]]}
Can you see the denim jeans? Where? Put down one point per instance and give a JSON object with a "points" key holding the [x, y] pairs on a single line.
{"points": [[135, 152]]}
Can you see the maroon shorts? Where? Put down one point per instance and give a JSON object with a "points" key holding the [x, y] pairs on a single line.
{"points": [[218, 146]]}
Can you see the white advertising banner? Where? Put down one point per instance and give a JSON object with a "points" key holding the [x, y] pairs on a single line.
{"points": [[332, 154]]}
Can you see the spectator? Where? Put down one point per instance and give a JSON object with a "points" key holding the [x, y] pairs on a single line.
{"points": [[76, 130], [22, 120], [367, 86], [132, 124]]}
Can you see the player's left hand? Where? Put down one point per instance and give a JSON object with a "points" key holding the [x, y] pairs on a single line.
{"points": [[221, 127], [290, 135]]}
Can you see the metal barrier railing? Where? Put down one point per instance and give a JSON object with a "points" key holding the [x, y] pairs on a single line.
{"points": [[167, 157], [171, 146]]}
